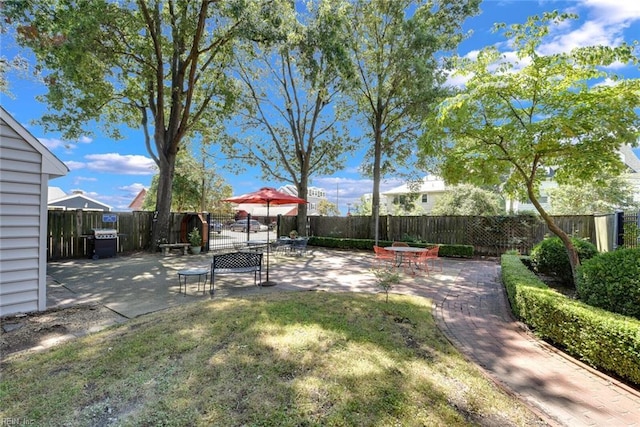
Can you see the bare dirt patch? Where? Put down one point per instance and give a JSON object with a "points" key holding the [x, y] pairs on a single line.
{"points": [[36, 331]]}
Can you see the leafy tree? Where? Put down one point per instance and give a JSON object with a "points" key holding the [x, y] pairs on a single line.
{"points": [[514, 120], [396, 46], [407, 204], [16, 64], [327, 208], [291, 96], [153, 64], [467, 199], [589, 198], [363, 207], [195, 188]]}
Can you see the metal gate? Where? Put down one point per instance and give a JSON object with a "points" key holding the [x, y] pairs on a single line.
{"points": [[223, 235], [629, 229]]}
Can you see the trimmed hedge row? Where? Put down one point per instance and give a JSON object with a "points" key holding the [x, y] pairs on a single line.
{"points": [[607, 341], [462, 251]]}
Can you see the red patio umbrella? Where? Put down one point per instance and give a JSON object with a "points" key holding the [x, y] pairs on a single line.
{"points": [[268, 196]]}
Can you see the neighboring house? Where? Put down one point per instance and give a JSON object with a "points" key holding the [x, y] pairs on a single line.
{"points": [[632, 175], [314, 196], [26, 166], [425, 192], [136, 205], [516, 206], [74, 201]]}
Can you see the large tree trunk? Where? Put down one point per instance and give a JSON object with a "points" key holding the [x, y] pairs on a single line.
{"points": [[303, 188], [377, 161], [574, 260], [162, 218]]}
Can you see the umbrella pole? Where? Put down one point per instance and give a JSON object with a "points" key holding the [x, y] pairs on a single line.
{"points": [[268, 283]]}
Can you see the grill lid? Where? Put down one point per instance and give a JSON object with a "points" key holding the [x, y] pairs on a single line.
{"points": [[105, 233]]}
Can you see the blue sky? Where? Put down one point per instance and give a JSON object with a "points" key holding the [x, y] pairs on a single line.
{"points": [[113, 172]]}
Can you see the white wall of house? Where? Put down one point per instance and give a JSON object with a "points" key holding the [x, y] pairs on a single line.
{"points": [[429, 190], [544, 199], [314, 196], [632, 176], [25, 168]]}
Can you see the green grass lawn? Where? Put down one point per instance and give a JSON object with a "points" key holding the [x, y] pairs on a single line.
{"points": [[286, 359]]}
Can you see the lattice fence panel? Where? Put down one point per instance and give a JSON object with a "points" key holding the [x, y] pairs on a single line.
{"points": [[631, 229], [496, 235]]}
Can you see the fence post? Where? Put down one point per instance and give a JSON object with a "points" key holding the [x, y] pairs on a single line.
{"points": [[619, 227]]}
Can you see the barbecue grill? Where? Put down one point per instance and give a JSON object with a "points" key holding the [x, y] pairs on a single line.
{"points": [[103, 243]]}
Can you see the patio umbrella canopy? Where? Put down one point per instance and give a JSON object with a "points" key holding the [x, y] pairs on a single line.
{"points": [[268, 196]]}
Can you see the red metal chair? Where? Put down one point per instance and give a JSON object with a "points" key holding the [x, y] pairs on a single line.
{"points": [[383, 257], [432, 254]]}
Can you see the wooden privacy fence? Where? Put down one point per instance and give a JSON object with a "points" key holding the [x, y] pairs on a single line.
{"points": [[68, 231], [488, 235]]}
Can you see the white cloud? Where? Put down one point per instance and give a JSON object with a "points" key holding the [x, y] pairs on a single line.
{"points": [[73, 165], [604, 24], [91, 194], [132, 189], [120, 164], [55, 143], [78, 180], [347, 190], [613, 12]]}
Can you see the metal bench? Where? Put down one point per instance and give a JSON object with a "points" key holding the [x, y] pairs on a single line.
{"points": [[236, 262], [166, 247]]}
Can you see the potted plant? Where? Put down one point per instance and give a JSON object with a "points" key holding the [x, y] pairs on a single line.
{"points": [[195, 240], [293, 234]]}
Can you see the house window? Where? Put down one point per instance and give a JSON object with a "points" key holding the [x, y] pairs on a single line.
{"points": [[399, 200], [425, 199]]}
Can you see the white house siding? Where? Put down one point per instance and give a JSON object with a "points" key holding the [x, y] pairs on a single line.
{"points": [[20, 183], [431, 187], [25, 168]]}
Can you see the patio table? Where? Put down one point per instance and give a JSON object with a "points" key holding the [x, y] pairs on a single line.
{"points": [[199, 272], [402, 250]]}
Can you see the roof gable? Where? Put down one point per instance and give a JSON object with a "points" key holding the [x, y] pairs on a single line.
{"points": [[630, 159], [429, 184], [137, 202], [51, 165], [79, 201]]}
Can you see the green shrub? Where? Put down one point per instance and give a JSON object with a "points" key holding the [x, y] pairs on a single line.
{"points": [[550, 257], [612, 281], [602, 339]]}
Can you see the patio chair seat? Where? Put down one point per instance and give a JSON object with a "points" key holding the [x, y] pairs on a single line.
{"points": [[383, 257], [299, 246]]}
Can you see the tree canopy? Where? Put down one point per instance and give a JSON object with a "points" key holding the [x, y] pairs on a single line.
{"points": [[291, 118], [156, 65], [397, 48], [196, 187], [466, 199], [589, 198], [515, 119]]}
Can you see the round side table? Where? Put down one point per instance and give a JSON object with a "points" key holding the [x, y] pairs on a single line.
{"points": [[200, 272]]}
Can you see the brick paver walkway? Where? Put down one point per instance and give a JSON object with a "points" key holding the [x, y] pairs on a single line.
{"points": [[473, 312]]}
